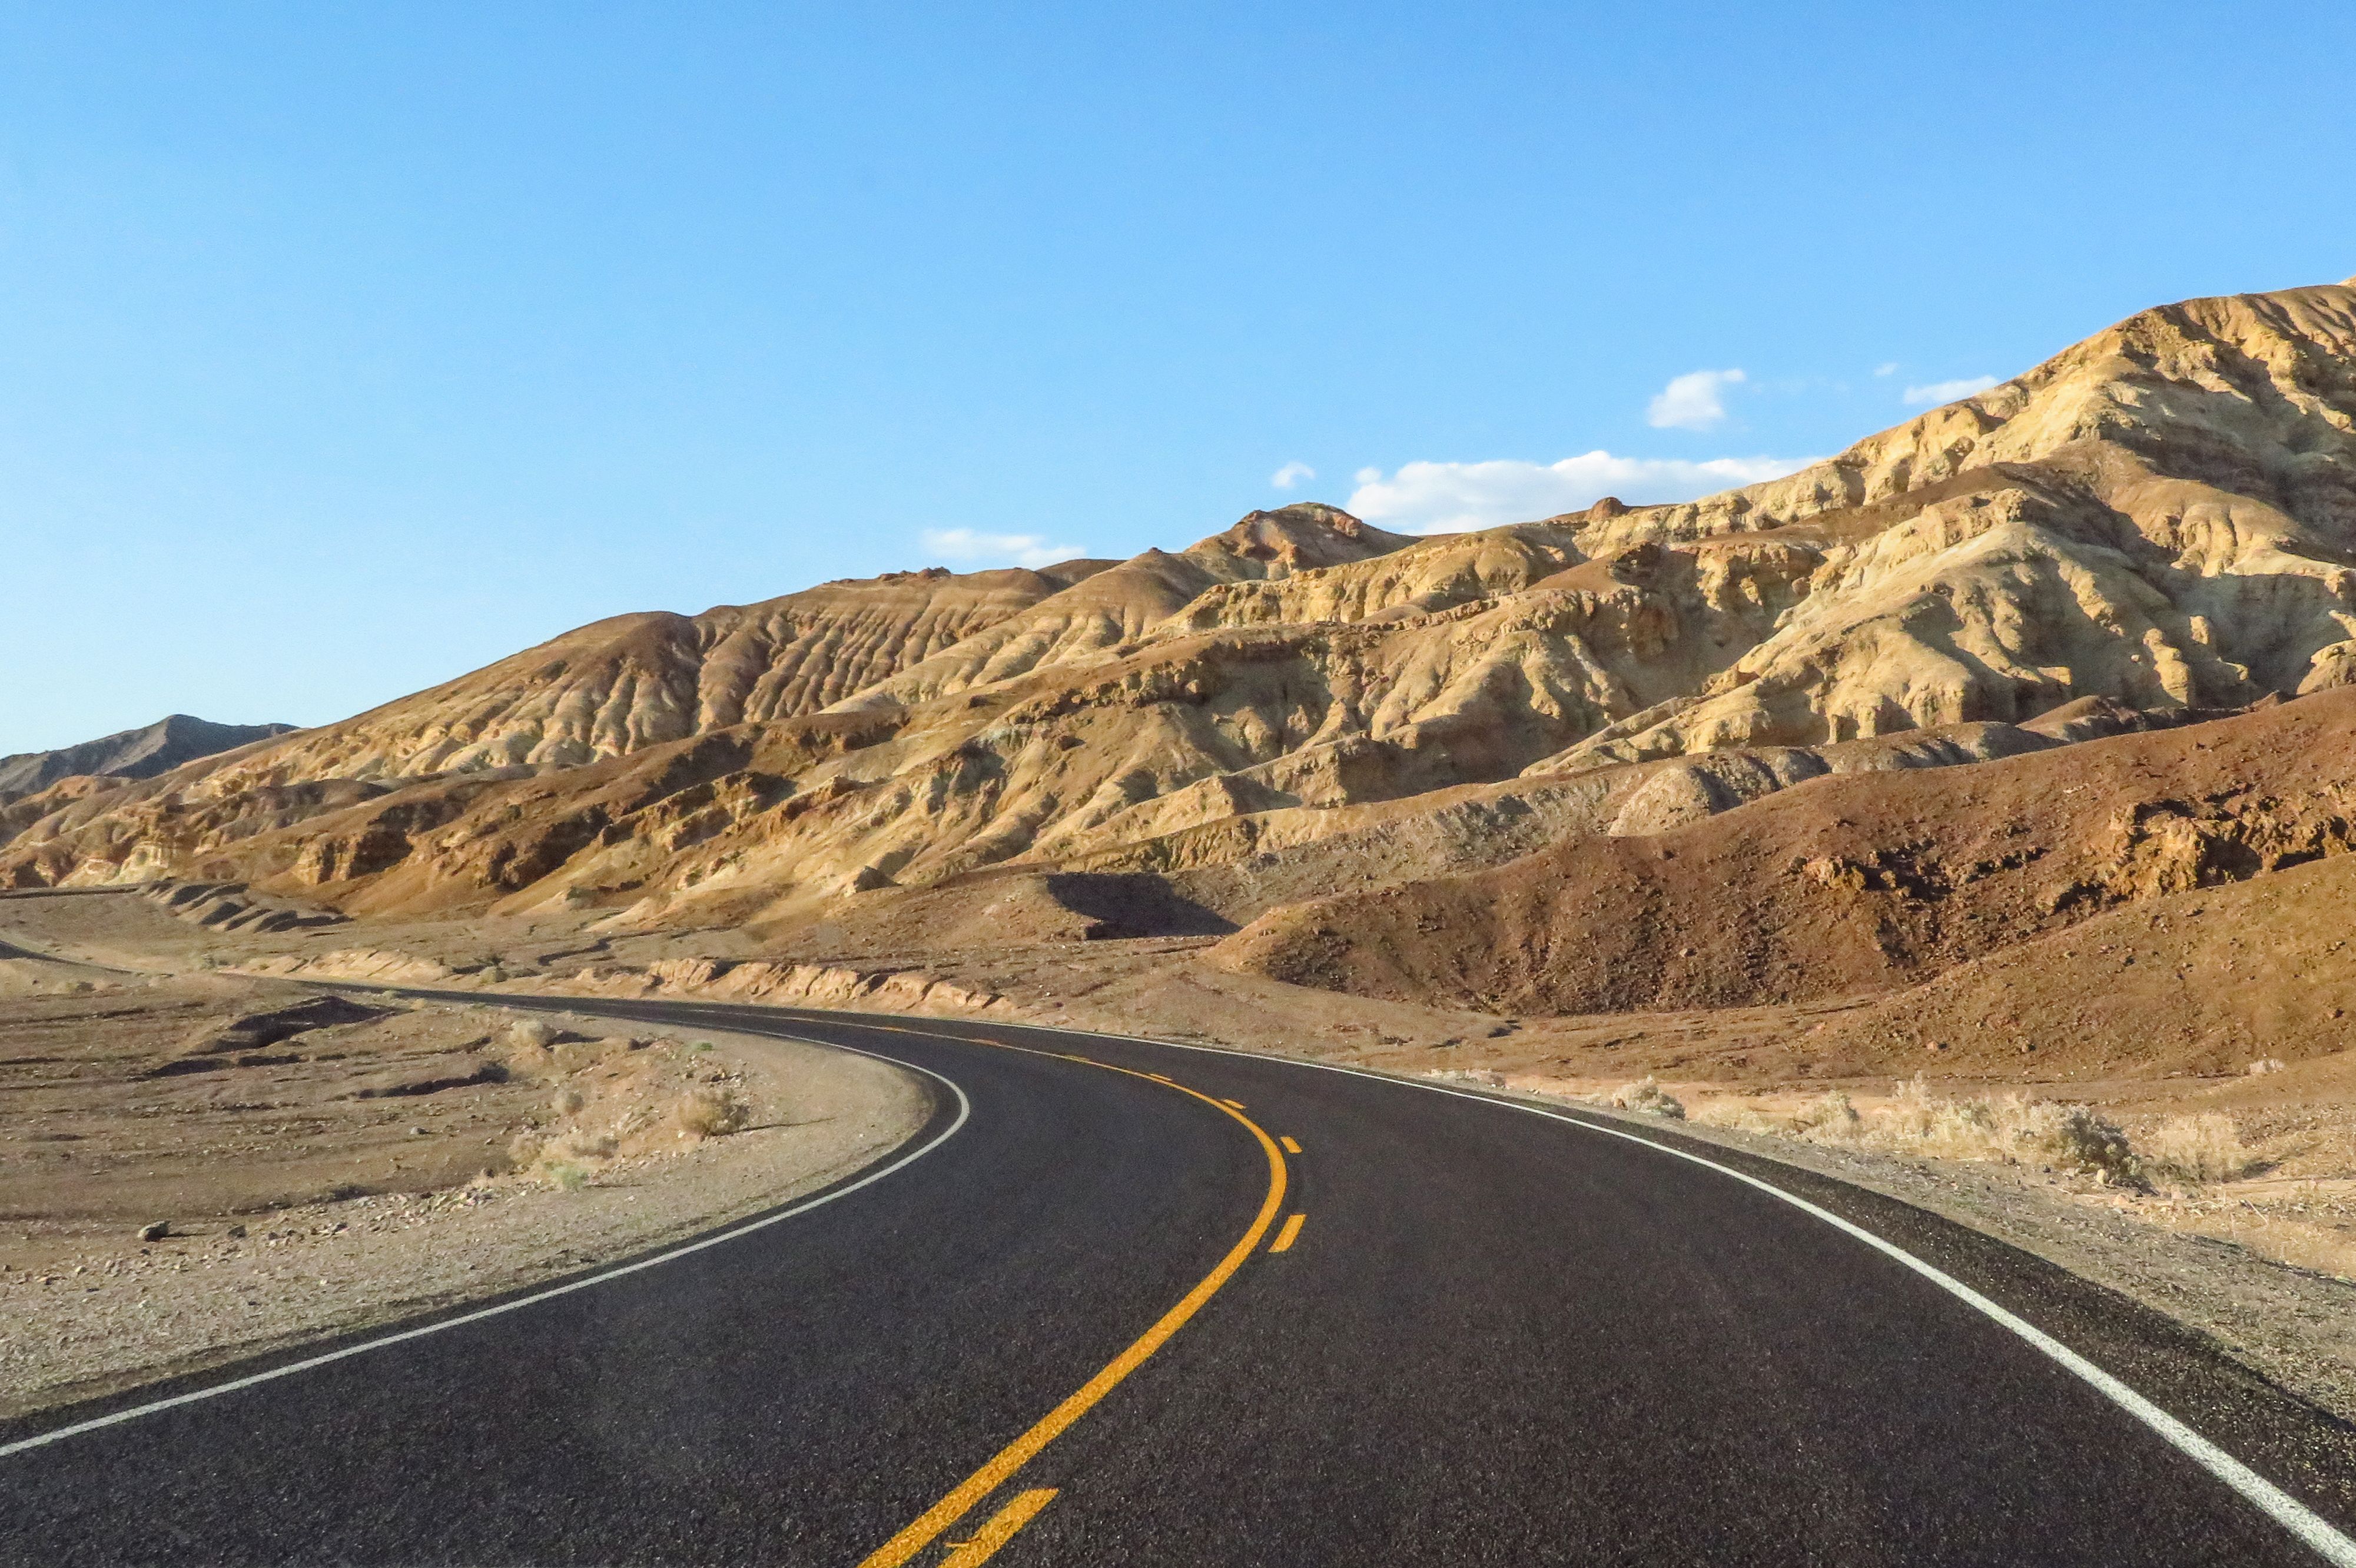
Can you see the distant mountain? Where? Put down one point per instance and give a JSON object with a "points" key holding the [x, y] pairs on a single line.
{"points": [[139, 754]]}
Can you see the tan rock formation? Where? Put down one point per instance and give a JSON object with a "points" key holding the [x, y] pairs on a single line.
{"points": [[2160, 521]]}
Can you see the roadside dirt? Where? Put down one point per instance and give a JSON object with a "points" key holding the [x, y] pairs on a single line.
{"points": [[196, 1166]]}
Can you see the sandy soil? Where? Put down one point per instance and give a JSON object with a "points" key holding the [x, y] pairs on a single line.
{"points": [[388, 1158]]}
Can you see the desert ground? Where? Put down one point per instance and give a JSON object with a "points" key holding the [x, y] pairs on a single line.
{"points": [[200, 1165]]}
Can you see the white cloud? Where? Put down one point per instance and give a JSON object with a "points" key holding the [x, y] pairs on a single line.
{"points": [[1889, 370], [1447, 498], [1948, 391], [1022, 550], [1693, 401], [1292, 474]]}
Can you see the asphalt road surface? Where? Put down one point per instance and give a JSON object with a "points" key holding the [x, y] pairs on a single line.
{"points": [[1076, 1321]]}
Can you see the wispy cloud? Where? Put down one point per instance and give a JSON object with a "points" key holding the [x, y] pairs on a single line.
{"points": [[1947, 391], [1022, 550], [1890, 368], [1292, 474], [1447, 498], [1693, 401]]}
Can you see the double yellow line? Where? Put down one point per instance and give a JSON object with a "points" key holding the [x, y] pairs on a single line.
{"points": [[1001, 1467]]}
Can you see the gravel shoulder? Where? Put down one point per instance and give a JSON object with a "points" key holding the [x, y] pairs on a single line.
{"points": [[89, 1308]]}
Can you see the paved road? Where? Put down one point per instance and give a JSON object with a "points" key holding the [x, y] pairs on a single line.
{"points": [[1494, 1337]]}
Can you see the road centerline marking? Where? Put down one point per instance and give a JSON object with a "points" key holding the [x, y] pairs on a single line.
{"points": [[1285, 1238], [928, 1527], [2311, 1529], [1289, 1146], [1001, 1530]]}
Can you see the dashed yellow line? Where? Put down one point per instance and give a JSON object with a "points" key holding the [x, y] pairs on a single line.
{"points": [[999, 1531], [1233, 1104], [1001, 1467], [1284, 1238], [1289, 1146]]}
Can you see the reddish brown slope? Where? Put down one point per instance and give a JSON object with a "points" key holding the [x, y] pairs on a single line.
{"points": [[1844, 883]]}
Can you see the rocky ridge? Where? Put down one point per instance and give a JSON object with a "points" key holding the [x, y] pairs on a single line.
{"points": [[2155, 526]]}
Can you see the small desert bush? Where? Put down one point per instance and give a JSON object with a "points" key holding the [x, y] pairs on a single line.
{"points": [[2011, 1128], [2197, 1150], [711, 1113], [1832, 1114], [566, 1159], [1649, 1097], [533, 1033]]}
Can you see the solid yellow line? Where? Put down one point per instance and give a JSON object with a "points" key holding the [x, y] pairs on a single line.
{"points": [[999, 1531], [1015, 1454], [1233, 1104], [1284, 1237], [1289, 1146]]}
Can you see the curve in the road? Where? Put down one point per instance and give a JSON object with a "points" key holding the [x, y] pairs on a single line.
{"points": [[380, 1341], [2302, 1521], [922, 1531], [1492, 1347]]}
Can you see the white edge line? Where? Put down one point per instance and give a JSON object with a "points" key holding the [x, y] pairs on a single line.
{"points": [[2270, 1499], [965, 1108]]}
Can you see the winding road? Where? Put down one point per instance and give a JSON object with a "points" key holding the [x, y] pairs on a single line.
{"points": [[1133, 1303]]}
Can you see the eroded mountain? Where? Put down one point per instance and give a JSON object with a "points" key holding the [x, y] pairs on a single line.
{"points": [[2153, 527]]}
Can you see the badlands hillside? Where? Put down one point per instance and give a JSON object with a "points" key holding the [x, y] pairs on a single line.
{"points": [[1990, 654]]}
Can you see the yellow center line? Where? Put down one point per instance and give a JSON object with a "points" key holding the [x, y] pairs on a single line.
{"points": [[999, 1531], [1233, 1104], [1015, 1454], [1289, 1146], [1284, 1237]]}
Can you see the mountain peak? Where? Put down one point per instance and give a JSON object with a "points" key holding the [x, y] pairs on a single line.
{"points": [[140, 754], [1300, 537]]}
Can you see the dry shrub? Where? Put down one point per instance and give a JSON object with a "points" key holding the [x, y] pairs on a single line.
{"points": [[710, 1113], [618, 1099], [2197, 1150], [2011, 1128], [568, 1160], [1649, 1097], [1832, 1114], [533, 1034]]}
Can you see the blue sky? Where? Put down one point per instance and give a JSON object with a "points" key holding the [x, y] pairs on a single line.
{"points": [[344, 348]]}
